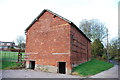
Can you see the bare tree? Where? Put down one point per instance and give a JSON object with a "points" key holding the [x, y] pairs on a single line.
{"points": [[21, 42], [93, 29], [113, 48]]}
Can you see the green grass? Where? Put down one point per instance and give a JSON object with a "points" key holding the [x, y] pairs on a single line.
{"points": [[8, 61], [92, 67], [11, 56], [10, 65]]}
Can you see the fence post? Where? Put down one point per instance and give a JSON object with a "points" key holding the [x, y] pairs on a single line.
{"points": [[18, 54]]}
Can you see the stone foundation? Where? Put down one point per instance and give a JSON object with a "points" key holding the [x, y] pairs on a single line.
{"points": [[47, 68], [27, 66]]}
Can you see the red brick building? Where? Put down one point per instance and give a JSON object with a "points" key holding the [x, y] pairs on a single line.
{"points": [[55, 44]]}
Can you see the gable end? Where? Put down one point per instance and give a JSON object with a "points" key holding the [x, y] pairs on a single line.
{"points": [[68, 21]]}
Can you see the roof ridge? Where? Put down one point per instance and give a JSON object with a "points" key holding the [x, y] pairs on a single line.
{"points": [[58, 15], [42, 14], [70, 22]]}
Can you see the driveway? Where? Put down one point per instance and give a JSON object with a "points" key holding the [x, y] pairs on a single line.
{"points": [[33, 74], [110, 73], [0, 74]]}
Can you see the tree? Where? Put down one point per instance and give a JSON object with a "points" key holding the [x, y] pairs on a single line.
{"points": [[113, 48], [97, 48], [93, 29], [119, 48], [23, 46], [21, 42]]}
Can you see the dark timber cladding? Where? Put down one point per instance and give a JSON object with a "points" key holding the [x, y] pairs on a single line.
{"points": [[55, 44]]}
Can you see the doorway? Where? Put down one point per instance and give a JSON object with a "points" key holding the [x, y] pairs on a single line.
{"points": [[62, 67], [32, 65]]}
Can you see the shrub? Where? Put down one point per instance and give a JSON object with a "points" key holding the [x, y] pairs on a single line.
{"points": [[16, 50], [104, 56]]}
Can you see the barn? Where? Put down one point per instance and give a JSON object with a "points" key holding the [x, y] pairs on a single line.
{"points": [[55, 44]]}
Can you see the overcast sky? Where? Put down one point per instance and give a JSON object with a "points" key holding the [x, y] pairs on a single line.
{"points": [[16, 15]]}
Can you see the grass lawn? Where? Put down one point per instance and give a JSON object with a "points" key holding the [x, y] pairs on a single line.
{"points": [[92, 67], [8, 60], [10, 65], [6, 55]]}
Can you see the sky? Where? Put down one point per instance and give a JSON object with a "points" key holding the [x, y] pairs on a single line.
{"points": [[16, 15]]}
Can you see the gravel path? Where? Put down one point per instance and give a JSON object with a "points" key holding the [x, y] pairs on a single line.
{"points": [[110, 73], [33, 74]]}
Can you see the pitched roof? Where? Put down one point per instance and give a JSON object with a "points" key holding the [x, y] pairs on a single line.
{"points": [[70, 22], [5, 42]]}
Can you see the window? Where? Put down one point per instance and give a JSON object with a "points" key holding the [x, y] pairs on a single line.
{"points": [[2, 43], [8, 43]]}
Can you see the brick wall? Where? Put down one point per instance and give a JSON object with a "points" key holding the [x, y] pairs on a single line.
{"points": [[47, 37], [51, 40], [80, 47]]}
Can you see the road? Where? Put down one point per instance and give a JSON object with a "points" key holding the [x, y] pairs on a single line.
{"points": [[33, 74], [110, 73]]}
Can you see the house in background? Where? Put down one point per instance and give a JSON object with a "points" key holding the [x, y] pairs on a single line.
{"points": [[4, 46], [55, 44]]}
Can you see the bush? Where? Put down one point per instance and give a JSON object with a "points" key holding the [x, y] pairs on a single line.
{"points": [[13, 50], [16, 50], [104, 56]]}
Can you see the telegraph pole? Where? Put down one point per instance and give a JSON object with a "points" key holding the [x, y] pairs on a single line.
{"points": [[107, 46]]}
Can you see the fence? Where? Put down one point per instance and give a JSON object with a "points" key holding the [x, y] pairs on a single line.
{"points": [[11, 56]]}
